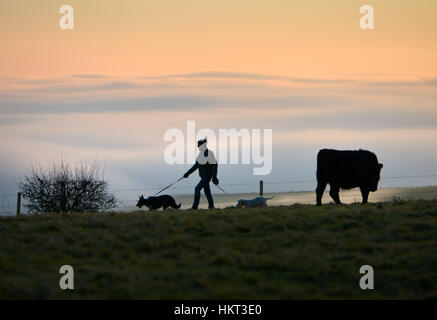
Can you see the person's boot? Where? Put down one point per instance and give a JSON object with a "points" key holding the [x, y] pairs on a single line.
{"points": [[193, 208]]}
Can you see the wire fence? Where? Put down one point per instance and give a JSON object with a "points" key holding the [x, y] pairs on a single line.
{"points": [[8, 202], [149, 188], [304, 197], [284, 197]]}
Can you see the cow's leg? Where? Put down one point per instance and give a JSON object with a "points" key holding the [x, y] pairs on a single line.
{"points": [[319, 192], [333, 192], [365, 194]]}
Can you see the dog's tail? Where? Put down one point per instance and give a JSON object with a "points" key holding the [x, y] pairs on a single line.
{"points": [[270, 198], [175, 206]]}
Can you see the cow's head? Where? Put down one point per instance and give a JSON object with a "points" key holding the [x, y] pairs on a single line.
{"points": [[377, 177]]}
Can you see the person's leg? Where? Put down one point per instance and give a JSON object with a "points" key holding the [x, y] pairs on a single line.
{"points": [[208, 194], [197, 194]]}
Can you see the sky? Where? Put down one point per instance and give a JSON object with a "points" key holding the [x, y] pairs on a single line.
{"points": [[130, 70]]}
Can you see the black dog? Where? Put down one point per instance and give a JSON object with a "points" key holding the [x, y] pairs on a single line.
{"points": [[154, 203]]}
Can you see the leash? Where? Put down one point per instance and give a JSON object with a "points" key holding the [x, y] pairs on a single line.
{"points": [[226, 192], [167, 187]]}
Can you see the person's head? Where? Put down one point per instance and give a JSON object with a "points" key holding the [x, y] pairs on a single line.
{"points": [[201, 144]]}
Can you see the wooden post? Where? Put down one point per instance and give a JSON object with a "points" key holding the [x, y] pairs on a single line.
{"points": [[18, 203], [261, 188]]}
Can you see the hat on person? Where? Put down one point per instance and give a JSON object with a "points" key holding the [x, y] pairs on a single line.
{"points": [[201, 141]]}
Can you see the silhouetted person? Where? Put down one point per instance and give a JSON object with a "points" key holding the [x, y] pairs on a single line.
{"points": [[207, 165]]}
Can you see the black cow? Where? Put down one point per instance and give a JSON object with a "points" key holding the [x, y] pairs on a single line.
{"points": [[346, 170]]}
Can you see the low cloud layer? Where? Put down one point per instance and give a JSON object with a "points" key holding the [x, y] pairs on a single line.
{"points": [[123, 121]]}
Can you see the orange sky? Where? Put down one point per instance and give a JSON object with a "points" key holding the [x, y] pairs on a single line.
{"points": [[315, 38]]}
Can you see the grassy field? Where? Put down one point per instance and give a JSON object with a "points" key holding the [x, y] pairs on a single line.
{"points": [[286, 252]]}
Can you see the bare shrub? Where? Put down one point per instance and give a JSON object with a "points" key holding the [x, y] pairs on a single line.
{"points": [[63, 188]]}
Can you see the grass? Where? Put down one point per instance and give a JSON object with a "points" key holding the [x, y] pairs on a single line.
{"points": [[286, 252]]}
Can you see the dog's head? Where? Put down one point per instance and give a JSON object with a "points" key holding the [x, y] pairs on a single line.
{"points": [[240, 203], [141, 201]]}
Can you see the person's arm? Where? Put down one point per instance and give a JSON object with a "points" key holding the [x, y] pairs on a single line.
{"points": [[193, 168], [214, 169]]}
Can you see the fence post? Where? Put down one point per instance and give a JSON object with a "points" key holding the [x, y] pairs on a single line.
{"points": [[18, 203], [261, 188]]}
